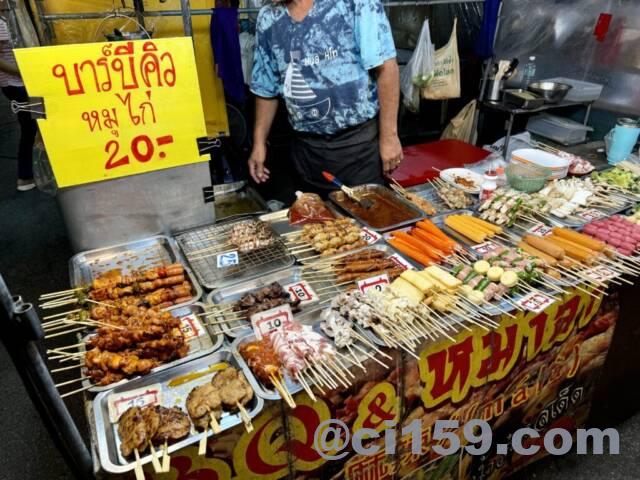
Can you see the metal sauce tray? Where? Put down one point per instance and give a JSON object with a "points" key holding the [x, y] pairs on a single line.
{"points": [[246, 194], [141, 254], [209, 341], [108, 440], [279, 221], [429, 193], [268, 392], [385, 192], [251, 264]]}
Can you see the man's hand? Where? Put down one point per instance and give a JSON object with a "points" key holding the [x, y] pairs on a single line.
{"points": [[390, 152], [256, 163]]}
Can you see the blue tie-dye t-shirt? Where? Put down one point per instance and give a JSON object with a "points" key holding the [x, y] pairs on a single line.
{"points": [[321, 64]]}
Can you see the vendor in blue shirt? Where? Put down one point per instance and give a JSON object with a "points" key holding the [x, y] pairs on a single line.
{"points": [[334, 63]]}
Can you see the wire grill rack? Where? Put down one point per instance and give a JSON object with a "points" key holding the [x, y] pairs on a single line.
{"points": [[251, 264], [429, 193]]}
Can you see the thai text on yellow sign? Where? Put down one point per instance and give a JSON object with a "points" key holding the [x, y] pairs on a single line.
{"points": [[116, 109]]}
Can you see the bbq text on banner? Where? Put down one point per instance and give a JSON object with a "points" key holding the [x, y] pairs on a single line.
{"points": [[116, 109]]}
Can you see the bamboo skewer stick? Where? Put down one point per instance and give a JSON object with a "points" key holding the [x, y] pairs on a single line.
{"points": [[154, 459], [138, 468], [69, 382], [246, 419], [63, 369], [64, 333], [86, 387], [166, 459]]}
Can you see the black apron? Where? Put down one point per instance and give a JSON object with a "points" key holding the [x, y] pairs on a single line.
{"points": [[351, 155]]}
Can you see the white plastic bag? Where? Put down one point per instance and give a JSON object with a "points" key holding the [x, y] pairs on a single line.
{"points": [[419, 71]]}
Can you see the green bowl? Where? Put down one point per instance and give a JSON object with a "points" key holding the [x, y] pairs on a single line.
{"points": [[526, 178]]}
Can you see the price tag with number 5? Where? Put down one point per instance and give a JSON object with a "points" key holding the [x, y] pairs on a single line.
{"points": [[269, 321]]}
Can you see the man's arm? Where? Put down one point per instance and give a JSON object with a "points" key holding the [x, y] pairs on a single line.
{"points": [[389, 96], [7, 67], [266, 109]]}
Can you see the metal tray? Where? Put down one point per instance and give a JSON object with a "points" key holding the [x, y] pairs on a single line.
{"points": [[208, 342], [279, 221], [565, 222], [251, 264], [267, 391], [147, 253], [384, 191], [428, 192], [233, 293], [107, 435], [247, 193]]}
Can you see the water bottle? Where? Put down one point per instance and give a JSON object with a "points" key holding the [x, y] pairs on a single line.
{"points": [[529, 72]]}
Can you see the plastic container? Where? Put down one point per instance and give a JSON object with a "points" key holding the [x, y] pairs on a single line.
{"points": [[559, 129], [527, 178], [538, 158], [489, 186], [582, 91]]}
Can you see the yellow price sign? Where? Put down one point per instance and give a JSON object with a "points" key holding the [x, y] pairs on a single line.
{"points": [[116, 109]]}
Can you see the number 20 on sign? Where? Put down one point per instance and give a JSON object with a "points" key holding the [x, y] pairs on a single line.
{"points": [[116, 109]]}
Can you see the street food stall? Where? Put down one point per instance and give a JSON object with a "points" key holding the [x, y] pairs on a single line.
{"points": [[219, 346]]}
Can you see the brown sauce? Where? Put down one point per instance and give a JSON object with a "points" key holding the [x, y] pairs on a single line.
{"points": [[383, 213]]}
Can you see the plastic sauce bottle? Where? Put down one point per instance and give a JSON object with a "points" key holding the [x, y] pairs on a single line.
{"points": [[489, 185], [529, 72]]}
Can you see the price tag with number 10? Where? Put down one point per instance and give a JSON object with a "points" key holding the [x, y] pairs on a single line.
{"points": [[269, 321]]}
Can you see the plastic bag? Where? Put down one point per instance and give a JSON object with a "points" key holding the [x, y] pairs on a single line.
{"points": [[42, 172], [419, 71], [461, 126], [309, 208], [446, 73]]}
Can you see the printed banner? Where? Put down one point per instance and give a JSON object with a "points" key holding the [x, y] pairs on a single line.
{"points": [[536, 370], [116, 109]]}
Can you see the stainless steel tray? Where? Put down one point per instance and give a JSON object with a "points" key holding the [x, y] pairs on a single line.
{"points": [[279, 221], [267, 391], [107, 435], [233, 293], [147, 253], [242, 194], [428, 192], [209, 341], [251, 264], [384, 191]]}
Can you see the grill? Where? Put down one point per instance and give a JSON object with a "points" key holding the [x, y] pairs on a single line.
{"points": [[214, 239]]}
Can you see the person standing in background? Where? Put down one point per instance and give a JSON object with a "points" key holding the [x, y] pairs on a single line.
{"points": [[334, 63], [13, 89]]}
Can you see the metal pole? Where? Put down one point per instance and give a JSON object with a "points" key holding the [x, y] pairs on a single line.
{"points": [[138, 6], [207, 11], [45, 25], [186, 17], [20, 331]]}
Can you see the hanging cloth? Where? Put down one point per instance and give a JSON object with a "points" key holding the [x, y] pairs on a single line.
{"points": [[484, 41], [226, 52]]}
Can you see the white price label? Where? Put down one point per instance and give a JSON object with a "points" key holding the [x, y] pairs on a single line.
{"points": [[601, 274], [121, 402], [541, 230], [369, 236], [535, 302], [401, 262], [301, 291], [191, 327], [591, 214], [269, 321], [484, 248], [379, 283], [228, 259]]}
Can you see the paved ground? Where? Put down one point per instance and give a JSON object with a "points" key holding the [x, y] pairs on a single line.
{"points": [[33, 259]]}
